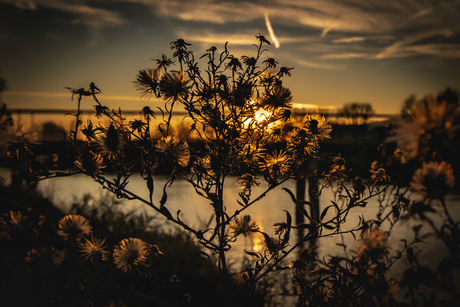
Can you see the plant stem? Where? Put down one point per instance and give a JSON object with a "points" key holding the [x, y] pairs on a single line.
{"points": [[77, 121], [443, 202]]}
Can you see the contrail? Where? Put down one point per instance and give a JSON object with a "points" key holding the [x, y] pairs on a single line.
{"points": [[270, 30]]}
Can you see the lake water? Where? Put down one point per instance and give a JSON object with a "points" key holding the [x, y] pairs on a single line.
{"points": [[196, 211]]}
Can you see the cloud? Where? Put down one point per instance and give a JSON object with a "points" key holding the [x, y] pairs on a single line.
{"points": [[440, 50], [346, 56], [353, 22], [349, 39], [403, 48], [212, 11], [22, 4], [84, 13], [319, 65], [270, 30]]}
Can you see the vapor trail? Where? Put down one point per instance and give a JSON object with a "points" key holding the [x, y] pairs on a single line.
{"points": [[270, 30]]}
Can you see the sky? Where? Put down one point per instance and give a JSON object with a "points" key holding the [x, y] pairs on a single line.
{"points": [[342, 51]]}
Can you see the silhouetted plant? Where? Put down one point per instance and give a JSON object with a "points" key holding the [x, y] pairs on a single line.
{"points": [[240, 111]]}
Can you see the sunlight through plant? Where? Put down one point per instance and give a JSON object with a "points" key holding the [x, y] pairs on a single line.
{"points": [[239, 123]]}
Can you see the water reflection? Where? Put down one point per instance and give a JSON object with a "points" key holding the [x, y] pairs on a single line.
{"points": [[196, 212]]}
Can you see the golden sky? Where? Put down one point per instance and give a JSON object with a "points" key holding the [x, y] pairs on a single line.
{"points": [[376, 51]]}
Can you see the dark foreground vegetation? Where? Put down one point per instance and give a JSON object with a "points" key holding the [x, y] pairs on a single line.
{"points": [[39, 267]]}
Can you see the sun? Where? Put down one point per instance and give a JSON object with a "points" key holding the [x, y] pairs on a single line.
{"points": [[261, 116]]}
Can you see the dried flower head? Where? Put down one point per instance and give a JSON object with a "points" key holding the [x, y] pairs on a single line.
{"points": [[338, 164], [300, 141], [89, 131], [380, 176], [147, 81], [16, 219], [429, 132], [270, 63], [130, 253], [175, 151], [247, 181], [281, 228], [358, 187], [433, 180], [73, 227], [90, 163], [244, 226], [274, 245], [299, 268], [336, 171], [11, 224], [174, 85], [46, 255], [374, 244], [275, 165], [278, 97], [137, 125], [93, 249], [317, 126], [234, 64], [243, 92], [147, 113], [111, 141], [20, 144]]}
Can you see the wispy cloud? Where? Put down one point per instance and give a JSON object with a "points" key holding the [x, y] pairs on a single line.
{"points": [[22, 4], [83, 12], [213, 11], [403, 48], [332, 21], [270, 31], [346, 56], [319, 65], [337, 19], [350, 39], [441, 50]]}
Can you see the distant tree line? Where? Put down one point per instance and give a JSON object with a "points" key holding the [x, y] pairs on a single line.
{"points": [[356, 113]]}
